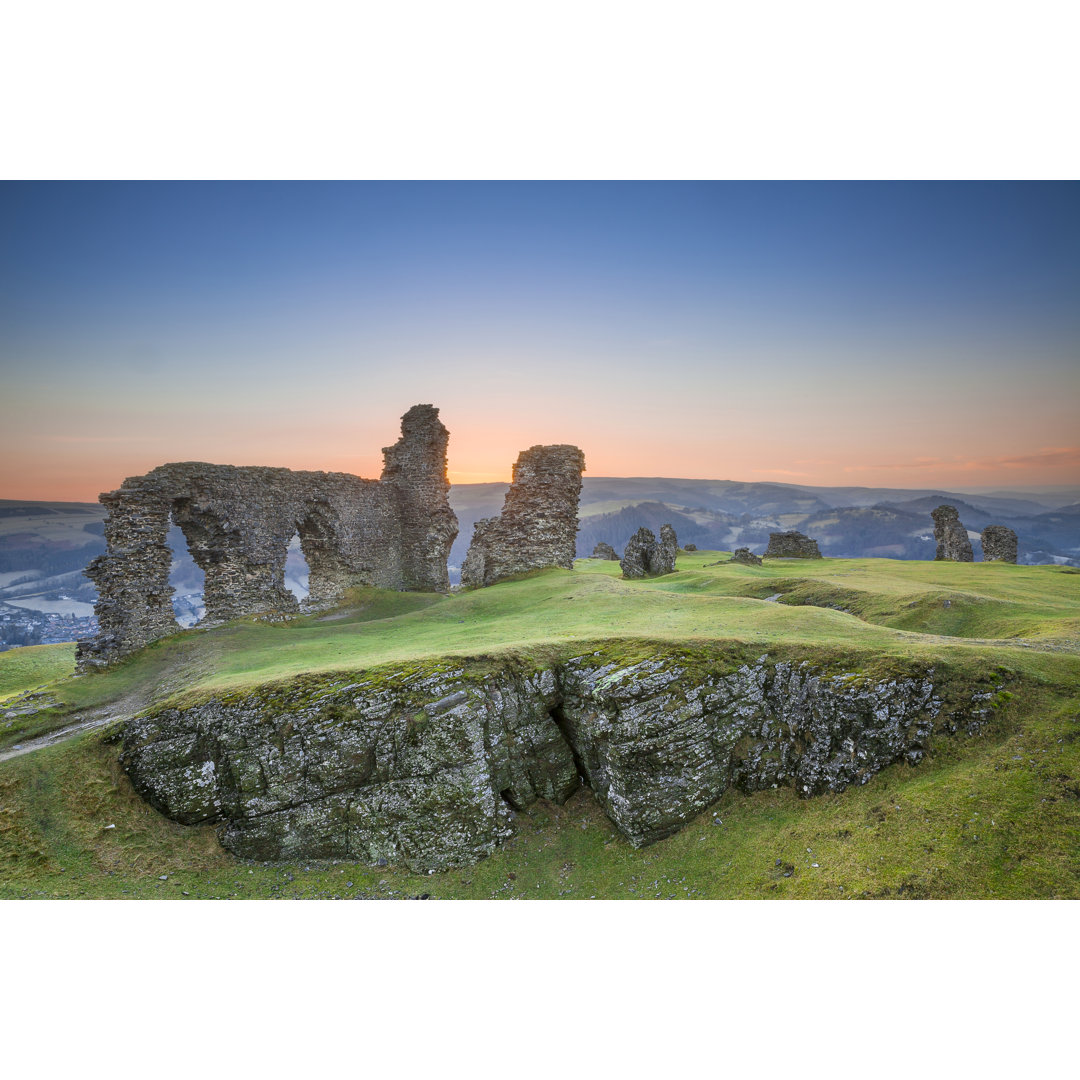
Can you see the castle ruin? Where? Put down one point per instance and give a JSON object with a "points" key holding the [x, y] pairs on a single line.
{"points": [[392, 533]]}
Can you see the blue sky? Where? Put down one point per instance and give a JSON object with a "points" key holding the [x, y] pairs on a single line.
{"points": [[911, 334]]}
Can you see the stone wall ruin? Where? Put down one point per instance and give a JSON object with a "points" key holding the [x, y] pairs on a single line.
{"points": [[392, 533], [539, 520]]}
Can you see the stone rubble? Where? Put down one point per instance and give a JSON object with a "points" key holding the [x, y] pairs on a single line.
{"points": [[745, 556]]}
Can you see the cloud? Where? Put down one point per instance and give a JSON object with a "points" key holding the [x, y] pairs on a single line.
{"points": [[1050, 458], [778, 472]]}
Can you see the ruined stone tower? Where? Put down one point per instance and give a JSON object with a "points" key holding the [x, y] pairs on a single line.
{"points": [[539, 520], [238, 521], [953, 544]]}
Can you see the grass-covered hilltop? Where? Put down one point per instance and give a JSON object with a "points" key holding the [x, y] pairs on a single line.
{"points": [[988, 805]]}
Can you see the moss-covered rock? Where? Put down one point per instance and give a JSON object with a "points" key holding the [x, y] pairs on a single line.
{"points": [[429, 770]]}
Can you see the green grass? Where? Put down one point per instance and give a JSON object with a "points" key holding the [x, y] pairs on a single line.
{"points": [[34, 666], [992, 815], [997, 815]]}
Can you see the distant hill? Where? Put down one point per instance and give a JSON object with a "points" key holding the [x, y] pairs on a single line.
{"points": [[44, 546], [855, 522]]}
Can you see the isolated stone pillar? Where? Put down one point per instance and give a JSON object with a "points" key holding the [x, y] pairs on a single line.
{"points": [[998, 544], [953, 544], [415, 467], [539, 520]]}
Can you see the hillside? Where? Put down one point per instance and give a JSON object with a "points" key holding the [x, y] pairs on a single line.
{"points": [[44, 547], [992, 810]]}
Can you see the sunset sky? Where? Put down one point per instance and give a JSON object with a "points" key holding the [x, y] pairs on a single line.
{"points": [[905, 335]]}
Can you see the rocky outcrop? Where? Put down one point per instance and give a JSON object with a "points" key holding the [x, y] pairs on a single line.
{"points": [[428, 769], [394, 533], [604, 551], [539, 520], [953, 544], [791, 545], [745, 556], [998, 544], [645, 556]]}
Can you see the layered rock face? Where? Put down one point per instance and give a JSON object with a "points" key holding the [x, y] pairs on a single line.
{"points": [[428, 771], [645, 556], [604, 551], [791, 545], [953, 544], [998, 544], [745, 556], [238, 522], [539, 520]]}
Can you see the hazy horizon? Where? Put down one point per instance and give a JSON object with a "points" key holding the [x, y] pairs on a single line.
{"points": [[902, 335]]}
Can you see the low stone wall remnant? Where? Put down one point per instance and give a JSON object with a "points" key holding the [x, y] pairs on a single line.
{"points": [[745, 556], [791, 545]]}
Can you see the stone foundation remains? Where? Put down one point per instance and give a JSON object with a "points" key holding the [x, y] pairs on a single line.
{"points": [[745, 556], [998, 544], [393, 533], [953, 544], [791, 545], [645, 556], [539, 520], [604, 551]]}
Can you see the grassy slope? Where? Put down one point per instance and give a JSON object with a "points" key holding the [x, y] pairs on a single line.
{"points": [[995, 815], [34, 666]]}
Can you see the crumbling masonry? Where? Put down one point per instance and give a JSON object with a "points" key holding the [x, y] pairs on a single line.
{"points": [[645, 556], [393, 533], [791, 545], [539, 520], [953, 544], [998, 544]]}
